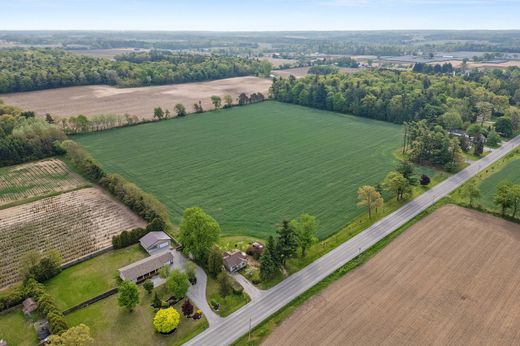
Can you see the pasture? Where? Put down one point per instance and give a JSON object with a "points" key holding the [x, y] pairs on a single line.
{"points": [[102, 99], [75, 223], [251, 167], [511, 172], [452, 278], [36, 180]]}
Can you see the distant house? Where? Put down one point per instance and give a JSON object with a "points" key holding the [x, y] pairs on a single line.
{"points": [[147, 267], [234, 261], [154, 242], [29, 305], [255, 249]]}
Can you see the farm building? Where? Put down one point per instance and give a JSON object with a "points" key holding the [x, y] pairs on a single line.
{"points": [[154, 242], [145, 268], [234, 261], [255, 249]]}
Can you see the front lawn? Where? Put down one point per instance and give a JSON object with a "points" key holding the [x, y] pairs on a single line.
{"points": [[112, 325], [228, 304], [92, 277], [16, 329]]}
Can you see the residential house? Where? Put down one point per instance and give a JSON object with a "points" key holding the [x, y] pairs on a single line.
{"points": [[234, 261], [147, 267]]}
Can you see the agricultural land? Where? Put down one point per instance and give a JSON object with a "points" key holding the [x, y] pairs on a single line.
{"points": [[450, 279], [510, 172], [251, 167], [46, 206], [102, 99]]}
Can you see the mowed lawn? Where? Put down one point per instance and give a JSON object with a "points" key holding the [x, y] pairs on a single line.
{"points": [[251, 167], [511, 172]]}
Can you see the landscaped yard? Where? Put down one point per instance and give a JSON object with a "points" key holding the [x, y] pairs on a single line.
{"points": [[251, 167], [92, 277], [112, 325], [228, 304], [17, 330]]}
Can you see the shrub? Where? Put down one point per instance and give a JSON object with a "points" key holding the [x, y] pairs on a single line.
{"points": [[197, 315], [166, 320], [156, 302], [187, 308], [157, 225], [226, 284], [425, 180], [127, 238], [57, 322], [148, 286], [41, 267]]}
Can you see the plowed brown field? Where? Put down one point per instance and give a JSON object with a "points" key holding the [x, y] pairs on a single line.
{"points": [[452, 278]]}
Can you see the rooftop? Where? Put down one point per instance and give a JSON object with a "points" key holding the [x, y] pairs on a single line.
{"points": [[145, 266], [152, 238]]}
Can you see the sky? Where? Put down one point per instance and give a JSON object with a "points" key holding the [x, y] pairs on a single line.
{"points": [[259, 15]]}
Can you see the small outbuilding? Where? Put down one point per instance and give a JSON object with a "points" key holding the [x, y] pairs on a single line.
{"points": [[234, 261], [29, 305], [255, 249], [42, 330], [147, 267], [154, 242]]}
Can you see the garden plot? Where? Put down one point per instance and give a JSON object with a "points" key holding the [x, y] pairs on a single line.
{"points": [[36, 179], [76, 224]]}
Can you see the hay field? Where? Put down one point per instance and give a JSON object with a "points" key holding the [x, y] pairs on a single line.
{"points": [[102, 99], [451, 279], [75, 223], [251, 167], [36, 180]]}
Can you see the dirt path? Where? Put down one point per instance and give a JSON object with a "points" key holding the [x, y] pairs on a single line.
{"points": [[101, 99], [453, 278]]}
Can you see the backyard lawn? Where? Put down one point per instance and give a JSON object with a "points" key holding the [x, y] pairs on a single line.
{"points": [[112, 325], [17, 330], [251, 167], [92, 277]]}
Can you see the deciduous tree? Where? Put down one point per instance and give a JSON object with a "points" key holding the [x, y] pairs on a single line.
{"points": [[215, 261], [305, 226], [128, 295], [369, 197], [178, 283], [395, 182], [166, 320], [198, 233], [74, 336]]}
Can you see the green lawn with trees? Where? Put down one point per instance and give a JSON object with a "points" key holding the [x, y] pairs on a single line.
{"points": [[17, 329], [92, 277], [488, 187], [252, 167]]}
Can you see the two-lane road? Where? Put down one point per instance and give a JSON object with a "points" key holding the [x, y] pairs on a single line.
{"points": [[238, 324]]}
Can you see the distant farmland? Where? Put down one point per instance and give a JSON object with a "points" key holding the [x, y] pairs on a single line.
{"points": [[251, 167], [510, 172], [102, 99]]}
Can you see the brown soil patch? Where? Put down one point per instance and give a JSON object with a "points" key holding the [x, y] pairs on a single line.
{"points": [[76, 224], [453, 278], [101, 99]]}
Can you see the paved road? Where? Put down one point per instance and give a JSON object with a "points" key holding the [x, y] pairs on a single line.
{"points": [[238, 324]]}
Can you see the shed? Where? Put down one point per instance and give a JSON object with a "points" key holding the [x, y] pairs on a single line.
{"points": [[29, 305], [255, 249], [154, 242], [234, 261], [147, 267]]}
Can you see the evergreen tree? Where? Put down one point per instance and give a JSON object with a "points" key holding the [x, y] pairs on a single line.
{"points": [[287, 243]]}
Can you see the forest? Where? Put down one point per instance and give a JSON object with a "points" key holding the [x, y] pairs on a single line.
{"points": [[45, 68]]}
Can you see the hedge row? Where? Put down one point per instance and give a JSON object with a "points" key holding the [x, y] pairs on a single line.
{"points": [[142, 203], [17, 294]]}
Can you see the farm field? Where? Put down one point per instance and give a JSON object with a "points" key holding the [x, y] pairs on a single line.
{"points": [[36, 180], [75, 223], [101, 99], [299, 72], [251, 167], [451, 278], [510, 172]]}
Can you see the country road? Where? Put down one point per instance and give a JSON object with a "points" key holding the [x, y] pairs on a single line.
{"points": [[238, 324]]}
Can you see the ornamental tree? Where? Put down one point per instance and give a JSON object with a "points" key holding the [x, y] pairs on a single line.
{"points": [[128, 295], [166, 320]]}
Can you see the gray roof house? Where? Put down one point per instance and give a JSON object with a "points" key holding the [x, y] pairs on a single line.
{"points": [[234, 261], [154, 242], [147, 267]]}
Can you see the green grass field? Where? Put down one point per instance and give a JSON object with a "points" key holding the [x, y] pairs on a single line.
{"points": [[92, 277], [488, 186], [251, 167], [17, 329]]}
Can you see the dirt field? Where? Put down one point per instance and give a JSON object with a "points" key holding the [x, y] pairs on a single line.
{"points": [[453, 278], [76, 223], [102, 99], [105, 53]]}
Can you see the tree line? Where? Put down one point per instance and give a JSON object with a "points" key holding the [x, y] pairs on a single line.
{"points": [[46, 68]]}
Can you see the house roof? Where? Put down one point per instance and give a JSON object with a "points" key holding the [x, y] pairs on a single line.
{"points": [[234, 259], [29, 305], [152, 238], [145, 266]]}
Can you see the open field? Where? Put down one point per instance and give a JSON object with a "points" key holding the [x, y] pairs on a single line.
{"points": [[452, 278], [75, 223], [104, 53], [251, 167], [35, 180], [102, 99], [91, 277], [488, 186], [299, 72], [112, 325]]}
